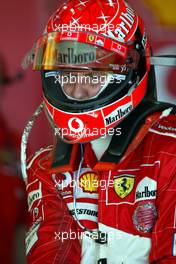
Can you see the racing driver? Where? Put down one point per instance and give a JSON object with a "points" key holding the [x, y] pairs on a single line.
{"points": [[105, 192]]}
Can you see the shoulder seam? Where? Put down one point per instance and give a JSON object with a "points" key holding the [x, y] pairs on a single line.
{"points": [[36, 155]]}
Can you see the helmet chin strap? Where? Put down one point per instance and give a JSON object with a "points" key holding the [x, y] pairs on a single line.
{"points": [[100, 145], [24, 140]]}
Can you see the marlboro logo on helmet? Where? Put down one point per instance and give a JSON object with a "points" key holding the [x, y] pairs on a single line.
{"points": [[68, 55], [55, 51]]}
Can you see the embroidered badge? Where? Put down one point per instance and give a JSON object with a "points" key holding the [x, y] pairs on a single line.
{"points": [[123, 185], [144, 217]]}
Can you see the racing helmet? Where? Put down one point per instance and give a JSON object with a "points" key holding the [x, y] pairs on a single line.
{"points": [[104, 41]]}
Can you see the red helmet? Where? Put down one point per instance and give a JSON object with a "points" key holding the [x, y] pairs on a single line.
{"points": [[93, 37]]}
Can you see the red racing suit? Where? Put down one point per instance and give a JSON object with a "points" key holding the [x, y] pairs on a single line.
{"points": [[133, 204]]}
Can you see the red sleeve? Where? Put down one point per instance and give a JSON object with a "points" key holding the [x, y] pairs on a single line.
{"points": [[48, 239], [164, 233]]}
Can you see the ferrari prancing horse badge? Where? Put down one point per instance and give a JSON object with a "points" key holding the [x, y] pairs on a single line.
{"points": [[123, 184]]}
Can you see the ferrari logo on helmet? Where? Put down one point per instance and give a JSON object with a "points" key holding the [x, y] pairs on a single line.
{"points": [[90, 38], [123, 185]]}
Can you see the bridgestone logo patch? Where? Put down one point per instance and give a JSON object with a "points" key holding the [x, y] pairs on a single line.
{"points": [[84, 211]]}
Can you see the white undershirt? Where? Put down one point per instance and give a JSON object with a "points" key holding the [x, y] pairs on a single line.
{"points": [[100, 145]]}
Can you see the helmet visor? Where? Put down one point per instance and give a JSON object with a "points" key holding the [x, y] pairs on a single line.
{"points": [[81, 85], [53, 51]]}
